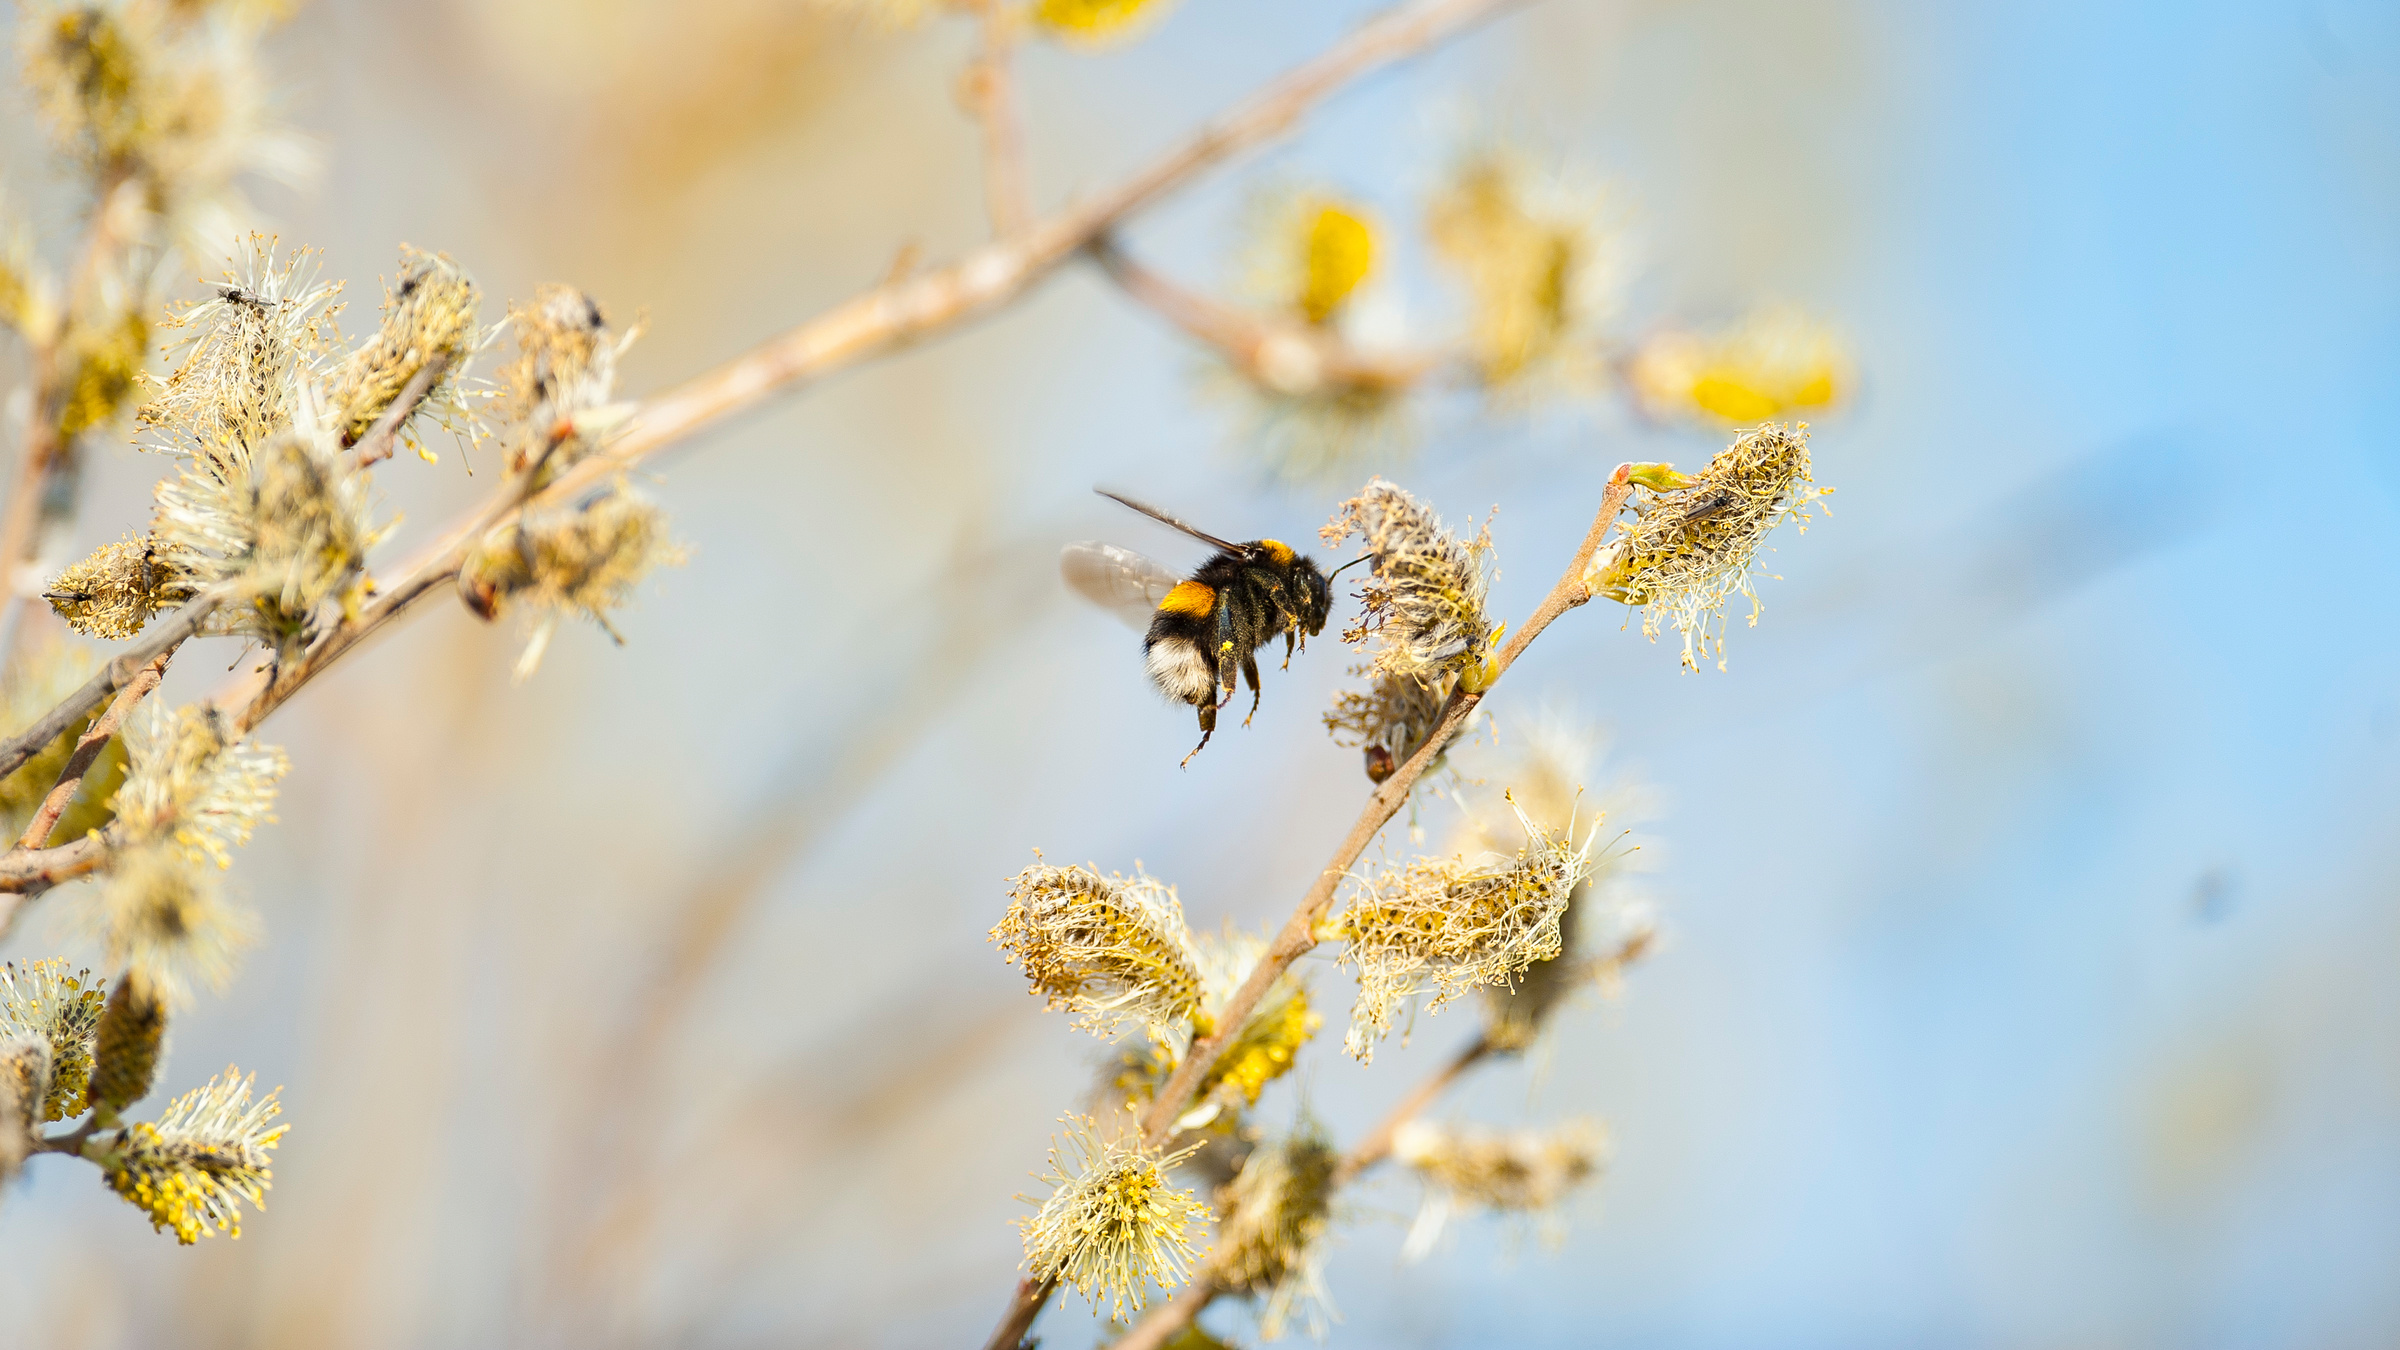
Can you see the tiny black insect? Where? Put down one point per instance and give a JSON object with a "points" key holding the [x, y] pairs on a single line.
{"points": [[1204, 630]]}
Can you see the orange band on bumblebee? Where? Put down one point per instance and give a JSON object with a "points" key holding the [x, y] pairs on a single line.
{"points": [[1189, 598]]}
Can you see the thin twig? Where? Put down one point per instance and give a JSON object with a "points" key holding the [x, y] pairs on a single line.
{"points": [[991, 94], [377, 444], [87, 750], [1286, 356], [161, 636], [1193, 1299], [70, 1142]]}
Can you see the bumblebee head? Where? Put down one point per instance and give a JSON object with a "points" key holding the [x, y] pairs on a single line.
{"points": [[1316, 595]]}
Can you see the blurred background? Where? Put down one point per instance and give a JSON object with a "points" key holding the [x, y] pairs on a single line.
{"points": [[2028, 919]]}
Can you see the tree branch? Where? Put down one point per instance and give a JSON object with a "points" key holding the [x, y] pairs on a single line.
{"points": [[161, 637], [70, 778]]}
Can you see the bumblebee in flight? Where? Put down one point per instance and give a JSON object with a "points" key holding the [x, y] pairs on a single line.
{"points": [[1204, 630]]}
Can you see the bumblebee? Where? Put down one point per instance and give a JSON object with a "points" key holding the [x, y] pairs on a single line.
{"points": [[1203, 631]]}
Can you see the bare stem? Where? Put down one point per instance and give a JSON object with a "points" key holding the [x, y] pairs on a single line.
{"points": [[160, 637], [87, 750], [990, 92]]}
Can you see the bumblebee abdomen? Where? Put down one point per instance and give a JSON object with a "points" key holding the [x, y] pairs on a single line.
{"points": [[1178, 660]]}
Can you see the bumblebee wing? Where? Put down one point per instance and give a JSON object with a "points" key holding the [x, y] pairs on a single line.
{"points": [[1172, 523], [1118, 580]]}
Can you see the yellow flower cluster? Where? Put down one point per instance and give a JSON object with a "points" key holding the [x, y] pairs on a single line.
{"points": [[126, 1050], [1423, 601], [1113, 949], [1096, 21], [1451, 925], [1695, 540], [1112, 1225], [1262, 1050], [192, 1168], [41, 1000], [112, 593]]}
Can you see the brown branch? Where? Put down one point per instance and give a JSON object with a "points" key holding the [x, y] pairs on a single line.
{"points": [[87, 750], [1284, 355], [1193, 1299], [377, 444], [161, 636], [29, 872], [990, 93]]}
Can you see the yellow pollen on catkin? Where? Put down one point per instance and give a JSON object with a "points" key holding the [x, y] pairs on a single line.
{"points": [[1340, 251]]}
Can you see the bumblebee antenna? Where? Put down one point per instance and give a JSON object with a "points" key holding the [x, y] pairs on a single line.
{"points": [[1329, 576], [1172, 523]]}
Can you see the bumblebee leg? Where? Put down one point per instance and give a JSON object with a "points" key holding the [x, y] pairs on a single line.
{"points": [[1229, 669], [1250, 672], [1208, 727], [1287, 647]]}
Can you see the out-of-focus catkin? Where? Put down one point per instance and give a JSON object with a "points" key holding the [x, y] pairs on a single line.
{"points": [[1520, 1172], [555, 392], [129, 1042], [1774, 362], [1096, 22], [191, 784], [1270, 1241], [1540, 264]]}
